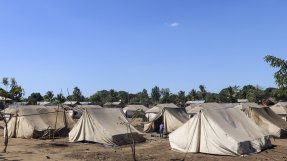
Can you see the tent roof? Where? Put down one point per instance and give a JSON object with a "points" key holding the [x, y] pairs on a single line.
{"points": [[112, 103], [195, 102], [229, 105], [168, 105], [45, 103], [20, 103], [280, 108], [5, 99], [71, 103], [242, 100], [159, 107], [10, 110], [89, 106], [135, 108], [13, 109], [195, 108], [243, 106], [85, 103], [268, 120]]}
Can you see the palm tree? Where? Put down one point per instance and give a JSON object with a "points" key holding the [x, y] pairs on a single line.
{"points": [[49, 96], [202, 91]]}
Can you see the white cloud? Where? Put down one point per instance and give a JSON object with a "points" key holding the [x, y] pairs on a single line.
{"points": [[174, 24]]}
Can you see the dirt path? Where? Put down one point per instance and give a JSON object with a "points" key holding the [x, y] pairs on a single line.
{"points": [[158, 149]]}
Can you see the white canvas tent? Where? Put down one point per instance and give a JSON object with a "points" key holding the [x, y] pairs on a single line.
{"points": [[39, 122], [45, 103], [220, 131], [244, 106], [229, 105], [129, 110], [71, 103], [280, 109], [268, 120], [76, 112], [10, 111], [105, 126], [172, 118], [5, 99], [195, 108], [194, 102], [152, 112], [85, 103]]}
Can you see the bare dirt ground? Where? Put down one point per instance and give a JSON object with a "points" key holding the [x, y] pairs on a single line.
{"points": [[154, 149]]}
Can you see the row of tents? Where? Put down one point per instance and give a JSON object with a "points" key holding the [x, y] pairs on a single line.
{"points": [[221, 129], [101, 125], [229, 129]]}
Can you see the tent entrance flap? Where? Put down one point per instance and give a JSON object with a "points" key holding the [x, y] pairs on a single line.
{"points": [[157, 123], [171, 117]]}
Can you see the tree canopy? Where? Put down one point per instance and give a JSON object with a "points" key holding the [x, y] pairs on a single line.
{"points": [[281, 75], [11, 89], [34, 98]]}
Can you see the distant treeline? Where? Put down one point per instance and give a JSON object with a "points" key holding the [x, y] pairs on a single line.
{"points": [[162, 95]]}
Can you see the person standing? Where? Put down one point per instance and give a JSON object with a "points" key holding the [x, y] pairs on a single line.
{"points": [[161, 129]]}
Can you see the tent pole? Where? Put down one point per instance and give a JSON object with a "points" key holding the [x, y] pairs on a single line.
{"points": [[55, 123]]}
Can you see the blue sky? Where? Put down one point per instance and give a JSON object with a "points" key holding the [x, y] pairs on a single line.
{"points": [[135, 44]]}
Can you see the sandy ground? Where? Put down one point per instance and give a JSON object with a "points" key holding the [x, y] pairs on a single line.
{"points": [[154, 149]]}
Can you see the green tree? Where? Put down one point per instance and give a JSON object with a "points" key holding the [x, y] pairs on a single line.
{"points": [[3, 92], [256, 95], [13, 90], [96, 98], [49, 96], [113, 96], [173, 98], [202, 92], [245, 90], [155, 94], [181, 99], [252, 93], [229, 94], [279, 94], [144, 98], [60, 98], [165, 93], [100, 97], [269, 92], [5, 81], [16, 93], [77, 95], [281, 75], [123, 96], [192, 95], [34, 98], [212, 97], [135, 98]]}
